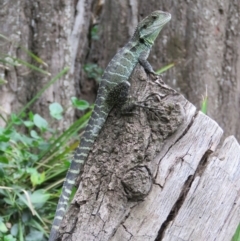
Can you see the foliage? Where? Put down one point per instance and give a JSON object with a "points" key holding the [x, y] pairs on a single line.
{"points": [[204, 104], [31, 167], [80, 104], [94, 32], [34, 158], [236, 236], [93, 71]]}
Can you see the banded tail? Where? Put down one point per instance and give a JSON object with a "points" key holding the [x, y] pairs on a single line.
{"points": [[92, 130]]}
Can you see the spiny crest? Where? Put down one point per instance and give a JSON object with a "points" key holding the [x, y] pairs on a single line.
{"points": [[149, 28]]}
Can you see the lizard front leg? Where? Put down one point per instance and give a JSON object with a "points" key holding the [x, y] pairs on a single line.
{"points": [[146, 65]]}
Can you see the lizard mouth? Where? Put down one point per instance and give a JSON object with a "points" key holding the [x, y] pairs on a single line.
{"points": [[160, 24]]}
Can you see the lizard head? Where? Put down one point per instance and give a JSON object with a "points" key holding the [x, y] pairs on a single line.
{"points": [[149, 28]]}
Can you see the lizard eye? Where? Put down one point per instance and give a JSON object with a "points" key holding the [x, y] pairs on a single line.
{"points": [[145, 26], [154, 17]]}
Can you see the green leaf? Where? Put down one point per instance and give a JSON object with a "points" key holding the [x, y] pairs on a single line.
{"points": [[165, 68], [56, 110], [34, 135], [15, 119], [93, 71], [8, 201], [4, 146], [80, 104], [19, 137], [34, 235], [28, 124], [26, 216], [3, 227], [4, 138], [14, 230], [3, 81], [3, 159], [236, 236], [39, 198], [37, 178], [30, 115], [94, 32], [1, 172], [204, 105], [40, 122], [9, 238]]}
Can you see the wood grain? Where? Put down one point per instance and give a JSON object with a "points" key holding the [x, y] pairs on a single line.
{"points": [[157, 174]]}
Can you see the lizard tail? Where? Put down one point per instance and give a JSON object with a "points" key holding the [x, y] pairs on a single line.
{"points": [[92, 130]]}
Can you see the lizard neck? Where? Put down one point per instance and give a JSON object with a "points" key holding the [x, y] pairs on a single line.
{"points": [[121, 66]]}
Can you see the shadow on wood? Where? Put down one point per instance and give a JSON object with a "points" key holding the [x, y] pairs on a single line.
{"points": [[156, 174]]}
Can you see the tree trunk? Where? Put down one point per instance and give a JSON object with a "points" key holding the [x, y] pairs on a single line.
{"points": [[55, 34], [202, 40], [157, 174]]}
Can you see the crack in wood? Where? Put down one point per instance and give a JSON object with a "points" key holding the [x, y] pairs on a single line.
{"points": [[174, 211], [186, 130], [127, 232], [186, 187]]}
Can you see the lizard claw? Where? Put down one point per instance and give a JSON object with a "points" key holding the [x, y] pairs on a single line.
{"points": [[156, 77]]}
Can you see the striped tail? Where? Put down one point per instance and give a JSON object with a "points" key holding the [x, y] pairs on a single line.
{"points": [[92, 130]]}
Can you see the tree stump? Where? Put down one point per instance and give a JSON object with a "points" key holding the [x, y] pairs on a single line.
{"points": [[158, 173]]}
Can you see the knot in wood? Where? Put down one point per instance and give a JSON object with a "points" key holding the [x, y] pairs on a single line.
{"points": [[137, 183], [166, 118]]}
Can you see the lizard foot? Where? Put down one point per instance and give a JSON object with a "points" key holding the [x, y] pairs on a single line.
{"points": [[156, 77]]}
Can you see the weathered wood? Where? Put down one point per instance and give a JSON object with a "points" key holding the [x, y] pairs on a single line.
{"points": [[210, 210], [156, 175]]}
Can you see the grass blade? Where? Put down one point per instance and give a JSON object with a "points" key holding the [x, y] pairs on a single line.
{"points": [[58, 76], [32, 66], [165, 68], [35, 57]]}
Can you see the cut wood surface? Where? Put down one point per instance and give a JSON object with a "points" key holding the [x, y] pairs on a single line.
{"points": [[158, 173]]}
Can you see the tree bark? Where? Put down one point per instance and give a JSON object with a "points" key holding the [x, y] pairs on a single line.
{"points": [[53, 32], [202, 40], [157, 174]]}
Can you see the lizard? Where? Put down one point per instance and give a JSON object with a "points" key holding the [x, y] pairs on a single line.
{"points": [[112, 91]]}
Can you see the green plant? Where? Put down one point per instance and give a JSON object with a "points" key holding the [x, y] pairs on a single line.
{"points": [[204, 104], [31, 168], [165, 68], [236, 236], [93, 71], [8, 60], [33, 163], [94, 32]]}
